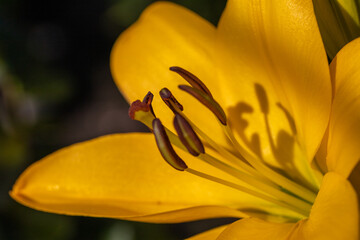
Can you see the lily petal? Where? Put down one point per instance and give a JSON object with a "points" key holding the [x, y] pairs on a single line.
{"points": [[335, 213], [210, 234], [167, 35], [124, 176], [253, 228], [276, 77], [343, 150]]}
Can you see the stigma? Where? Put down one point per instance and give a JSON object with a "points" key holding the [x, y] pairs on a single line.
{"points": [[235, 160]]}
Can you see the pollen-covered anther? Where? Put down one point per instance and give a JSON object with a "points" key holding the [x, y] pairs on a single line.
{"points": [[148, 100], [143, 111], [165, 147], [187, 136], [207, 101], [144, 106], [170, 100], [191, 79]]}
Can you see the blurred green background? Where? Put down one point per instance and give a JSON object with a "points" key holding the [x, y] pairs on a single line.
{"points": [[56, 90]]}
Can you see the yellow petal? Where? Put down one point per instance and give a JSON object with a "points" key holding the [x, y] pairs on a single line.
{"points": [[124, 176], [188, 214], [167, 35], [252, 228], [344, 129], [335, 213], [276, 77], [210, 234]]}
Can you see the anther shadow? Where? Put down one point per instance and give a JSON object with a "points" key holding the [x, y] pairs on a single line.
{"points": [[282, 148], [240, 124]]}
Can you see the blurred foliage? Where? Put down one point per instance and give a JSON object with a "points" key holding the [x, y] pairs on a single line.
{"points": [[55, 90]]}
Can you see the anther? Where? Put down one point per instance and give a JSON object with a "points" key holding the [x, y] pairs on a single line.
{"points": [[187, 136], [165, 147], [143, 111], [207, 101], [148, 100], [170, 100], [144, 106], [191, 79]]}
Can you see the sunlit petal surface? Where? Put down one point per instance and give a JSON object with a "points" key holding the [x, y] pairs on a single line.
{"points": [[275, 78], [124, 176]]}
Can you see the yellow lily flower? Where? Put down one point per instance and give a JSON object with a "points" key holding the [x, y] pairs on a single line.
{"points": [[273, 134]]}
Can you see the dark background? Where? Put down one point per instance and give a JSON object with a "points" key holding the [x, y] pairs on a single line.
{"points": [[55, 90]]}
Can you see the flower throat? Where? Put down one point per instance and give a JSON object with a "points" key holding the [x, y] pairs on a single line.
{"points": [[267, 184]]}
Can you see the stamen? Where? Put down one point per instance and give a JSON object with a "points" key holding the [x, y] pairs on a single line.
{"points": [[169, 99], [207, 101], [188, 136], [165, 148], [191, 79]]}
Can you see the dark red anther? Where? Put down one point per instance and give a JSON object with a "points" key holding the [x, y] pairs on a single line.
{"points": [[191, 79], [144, 106], [170, 100], [165, 147], [207, 101], [187, 136]]}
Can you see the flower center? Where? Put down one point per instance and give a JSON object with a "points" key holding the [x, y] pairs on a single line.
{"points": [[246, 167]]}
